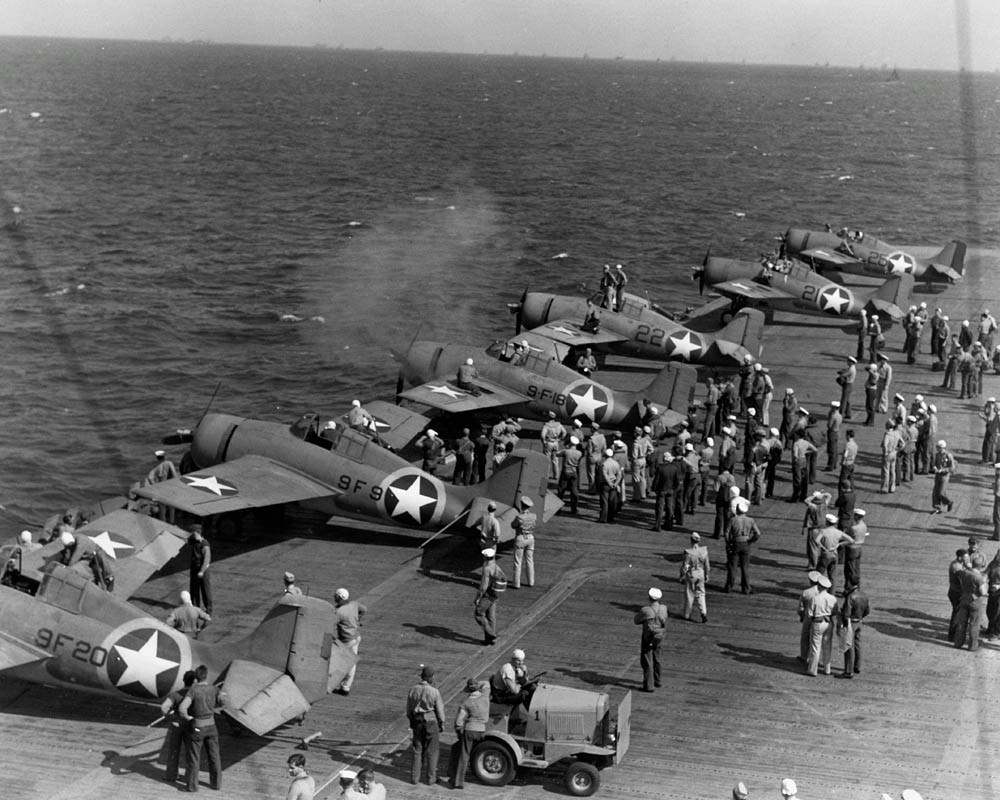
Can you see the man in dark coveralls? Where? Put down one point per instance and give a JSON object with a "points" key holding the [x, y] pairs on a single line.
{"points": [[653, 618], [198, 709], [179, 732], [201, 560]]}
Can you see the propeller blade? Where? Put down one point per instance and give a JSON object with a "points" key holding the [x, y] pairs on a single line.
{"points": [[701, 274], [520, 311], [400, 383]]}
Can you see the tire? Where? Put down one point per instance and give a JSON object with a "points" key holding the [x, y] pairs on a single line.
{"points": [[726, 317], [582, 779], [493, 763]]}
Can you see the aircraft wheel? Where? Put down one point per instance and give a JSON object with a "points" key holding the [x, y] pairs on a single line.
{"points": [[582, 779], [493, 764], [229, 526], [726, 317]]}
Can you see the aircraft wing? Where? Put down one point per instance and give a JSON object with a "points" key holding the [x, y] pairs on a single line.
{"points": [[830, 257], [17, 653], [750, 290], [247, 482], [134, 546], [448, 397], [395, 426], [570, 333]]}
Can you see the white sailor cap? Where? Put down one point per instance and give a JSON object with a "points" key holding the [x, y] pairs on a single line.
{"points": [[655, 594], [159, 453], [835, 403], [574, 440], [489, 552], [859, 512], [831, 518]]}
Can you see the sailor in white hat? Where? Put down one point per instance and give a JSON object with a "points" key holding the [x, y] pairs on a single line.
{"points": [[492, 583], [653, 618]]}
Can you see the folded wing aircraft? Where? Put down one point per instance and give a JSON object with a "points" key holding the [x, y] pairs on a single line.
{"points": [[637, 329], [857, 253], [60, 628], [538, 386], [243, 463], [788, 285]]}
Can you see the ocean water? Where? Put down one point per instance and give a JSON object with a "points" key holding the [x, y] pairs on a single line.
{"points": [[256, 227]]}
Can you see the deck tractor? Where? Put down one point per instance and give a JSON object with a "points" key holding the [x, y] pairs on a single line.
{"points": [[555, 725]]}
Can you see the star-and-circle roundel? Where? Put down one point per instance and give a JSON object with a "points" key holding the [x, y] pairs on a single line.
{"points": [[412, 497]]}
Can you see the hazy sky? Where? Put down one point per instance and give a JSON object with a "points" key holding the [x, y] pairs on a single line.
{"points": [[933, 34]]}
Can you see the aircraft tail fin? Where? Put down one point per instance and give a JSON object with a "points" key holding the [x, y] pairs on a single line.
{"points": [[891, 298], [673, 387], [746, 329], [290, 661], [950, 262], [524, 473]]}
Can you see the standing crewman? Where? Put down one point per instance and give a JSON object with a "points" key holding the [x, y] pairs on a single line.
{"points": [[524, 525], [892, 443], [163, 470], [198, 709], [489, 528], [667, 482], [431, 448], [653, 618], [595, 446], [465, 453], [724, 484], [943, 466], [349, 618], [425, 711], [820, 611], [609, 478], [854, 609], [871, 395], [201, 561], [569, 476], [742, 533], [642, 449], [470, 726], [849, 457], [834, 421], [492, 583], [805, 600], [553, 434], [187, 617], [884, 374], [846, 378], [694, 575], [828, 542], [178, 735]]}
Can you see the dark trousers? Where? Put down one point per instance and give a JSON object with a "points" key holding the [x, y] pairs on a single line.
{"points": [[739, 554], [568, 483], [608, 503], [463, 472], [800, 480], [426, 747], [458, 763], [955, 598], [486, 616], [845, 399], [968, 622], [827, 565], [664, 511], [649, 656], [201, 590], [723, 513], [204, 737], [852, 656], [175, 743]]}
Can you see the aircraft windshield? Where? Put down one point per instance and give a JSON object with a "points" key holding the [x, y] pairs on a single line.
{"points": [[632, 306], [538, 362], [305, 425]]}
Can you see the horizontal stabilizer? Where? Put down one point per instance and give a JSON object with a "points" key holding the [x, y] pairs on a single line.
{"points": [[894, 295], [261, 698]]}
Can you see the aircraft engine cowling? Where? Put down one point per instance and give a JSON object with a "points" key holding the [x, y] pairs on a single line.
{"points": [[212, 438]]}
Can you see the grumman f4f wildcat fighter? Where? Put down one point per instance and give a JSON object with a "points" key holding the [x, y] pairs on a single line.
{"points": [[236, 463], [60, 628]]}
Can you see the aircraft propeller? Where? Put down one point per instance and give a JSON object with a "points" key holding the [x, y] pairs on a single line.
{"points": [[517, 309], [401, 358], [699, 272]]}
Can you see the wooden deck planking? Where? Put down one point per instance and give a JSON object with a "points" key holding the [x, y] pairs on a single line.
{"points": [[735, 705]]}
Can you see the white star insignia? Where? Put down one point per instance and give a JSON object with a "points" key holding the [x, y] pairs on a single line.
{"points": [[109, 545], [900, 263], [410, 500], [744, 287], [445, 390], [834, 299], [564, 331], [587, 404], [685, 345], [143, 666], [210, 484]]}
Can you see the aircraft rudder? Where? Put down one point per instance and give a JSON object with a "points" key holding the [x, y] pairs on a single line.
{"points": [[522, 473], [673, 387]]}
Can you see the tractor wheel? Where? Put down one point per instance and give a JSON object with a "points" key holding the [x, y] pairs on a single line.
{"points": [[582, 779], [493, 763]]}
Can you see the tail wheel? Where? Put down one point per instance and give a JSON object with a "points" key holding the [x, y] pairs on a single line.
{"points": [[493, 764], [582, 779]]}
